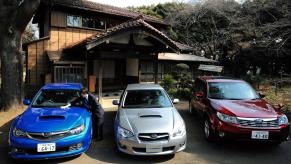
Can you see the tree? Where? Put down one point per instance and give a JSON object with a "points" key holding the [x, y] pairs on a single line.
{"points": [[14, 17], [29, 34]]}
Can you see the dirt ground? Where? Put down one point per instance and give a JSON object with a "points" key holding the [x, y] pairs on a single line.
{"points": [[198, 150]]}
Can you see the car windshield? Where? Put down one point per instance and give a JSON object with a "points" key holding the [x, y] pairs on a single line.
{"points": [[146, 99], [55, 97], [232, 91]]}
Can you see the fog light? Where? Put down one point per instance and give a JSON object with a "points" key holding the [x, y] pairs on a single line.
{"points": [[14, 150], [221, 134], [181, 145], [121, 146], [79, 145], [75, 147]]}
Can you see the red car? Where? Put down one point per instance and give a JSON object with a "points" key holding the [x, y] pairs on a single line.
{"points": [[233, 109]]}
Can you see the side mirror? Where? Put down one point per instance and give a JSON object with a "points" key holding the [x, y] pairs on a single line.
{"points": [[176, 101], [279, 107], [262, 95], [115, 102], [26, 102], [199, 94]]}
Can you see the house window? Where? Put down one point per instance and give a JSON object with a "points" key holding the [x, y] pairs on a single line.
{"points": [[86, 22], [74, 21], [93, 23], [69, 74], [148, 71]]}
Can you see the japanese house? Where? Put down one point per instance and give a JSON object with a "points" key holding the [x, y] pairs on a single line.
{"points": [[100, 46]]}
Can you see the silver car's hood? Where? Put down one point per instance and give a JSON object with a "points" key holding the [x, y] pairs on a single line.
{"points": [[148, 120]]}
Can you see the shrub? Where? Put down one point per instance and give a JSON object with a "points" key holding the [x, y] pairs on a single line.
{"points": [[185, 93], [168, 82], [286, 111], [180, 70], [172, 92]]}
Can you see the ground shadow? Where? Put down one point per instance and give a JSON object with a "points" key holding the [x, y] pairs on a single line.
{"points": [[4, 146], [197, 147]]}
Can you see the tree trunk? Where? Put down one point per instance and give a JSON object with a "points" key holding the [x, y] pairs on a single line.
{"points": [[14, 16], [12, 70]]}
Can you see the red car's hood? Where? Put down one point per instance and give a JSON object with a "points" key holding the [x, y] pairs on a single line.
{"points": [[246, 108]]}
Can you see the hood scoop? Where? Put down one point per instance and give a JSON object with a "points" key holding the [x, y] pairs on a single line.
{"points": [[53, 117], [150, 116]]}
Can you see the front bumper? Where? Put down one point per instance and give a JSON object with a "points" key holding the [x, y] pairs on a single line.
{"points": [[134, 146], [25, 148], [225, 130]]}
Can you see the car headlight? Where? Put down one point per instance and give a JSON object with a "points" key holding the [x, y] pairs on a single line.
{"points": [[227, 118], [77, 130], [124, 132], [18, 133], [283, 120], [180, 129]]}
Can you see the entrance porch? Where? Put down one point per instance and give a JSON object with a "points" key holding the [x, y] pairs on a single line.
{"points": [[117, 57]]}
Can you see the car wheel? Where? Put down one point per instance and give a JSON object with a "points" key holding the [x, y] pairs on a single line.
{"points": [[208, 132], [276, 143]]}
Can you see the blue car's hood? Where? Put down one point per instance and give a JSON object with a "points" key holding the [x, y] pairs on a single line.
{"points": [[51, 119]]}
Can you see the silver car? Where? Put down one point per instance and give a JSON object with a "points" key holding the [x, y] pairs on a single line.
{"points": [[147, 123]]}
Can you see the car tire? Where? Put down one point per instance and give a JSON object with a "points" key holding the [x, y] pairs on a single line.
{"points": [[276, 143], [208, 131]]}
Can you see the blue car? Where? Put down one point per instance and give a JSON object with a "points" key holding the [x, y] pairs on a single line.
{"points": [[51, 127]]}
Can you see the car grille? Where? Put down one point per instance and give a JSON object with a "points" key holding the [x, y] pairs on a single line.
{"points": [[47, 136], [143, 150], [153, 136], [258, 122]]}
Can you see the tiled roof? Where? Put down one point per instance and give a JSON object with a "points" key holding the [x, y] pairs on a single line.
{"points": [[184, 57], [108, 9], [135, 24]]}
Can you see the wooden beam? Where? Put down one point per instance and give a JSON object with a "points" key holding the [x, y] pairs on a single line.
{"points": [[156, 67], [100, 77], [103, 39]]}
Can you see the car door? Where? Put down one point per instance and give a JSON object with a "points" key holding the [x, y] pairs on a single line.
{"points": [[198, 101]]}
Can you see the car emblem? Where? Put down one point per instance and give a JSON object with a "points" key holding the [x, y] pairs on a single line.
{"points": [[154, 136], [46, 134], [259, 121]]}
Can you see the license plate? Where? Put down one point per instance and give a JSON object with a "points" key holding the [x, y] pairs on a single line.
{"points": [[154, 148], [262, 135], [46, 147]]}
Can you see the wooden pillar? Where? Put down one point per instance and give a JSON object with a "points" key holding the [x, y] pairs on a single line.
{"points": [[100, 77], [156, 67], [139, 70]]}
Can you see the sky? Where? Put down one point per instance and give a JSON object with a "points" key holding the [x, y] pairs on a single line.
{"points": [[126, 3]]}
